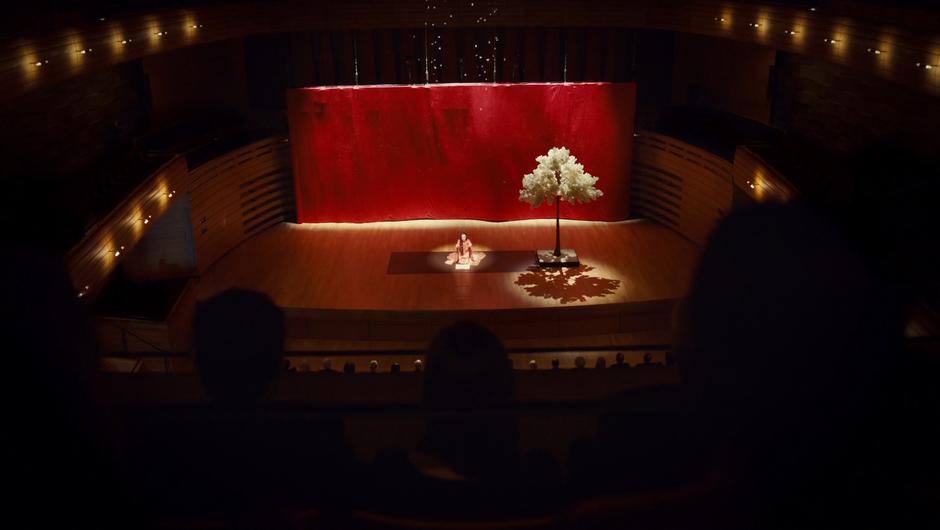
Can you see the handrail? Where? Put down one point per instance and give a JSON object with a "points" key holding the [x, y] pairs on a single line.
{"points": [[405, 351], [125, 330]]}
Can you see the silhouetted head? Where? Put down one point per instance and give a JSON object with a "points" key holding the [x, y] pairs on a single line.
{"points": [[467, 367], [373, 366], [776, 284], [349, 367], [533, 365], [239, 340], [600, 363], [419, 365], [647, 358], [619, 357], [556, 363], [395, 368], [580, 362]]}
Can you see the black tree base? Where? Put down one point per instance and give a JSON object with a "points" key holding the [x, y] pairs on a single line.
{"points": [[568, 258]]}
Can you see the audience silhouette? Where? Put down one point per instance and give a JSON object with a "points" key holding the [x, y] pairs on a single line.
{"points": [[468, 463], [787, 340]]}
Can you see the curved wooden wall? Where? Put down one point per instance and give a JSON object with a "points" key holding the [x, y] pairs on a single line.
{"points": [[758, 180], [841, 32], [238, 195], [95, 256], [679, 185], [234, 197]]}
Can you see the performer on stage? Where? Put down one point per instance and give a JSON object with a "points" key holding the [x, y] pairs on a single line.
{"points": [[464, 254]]}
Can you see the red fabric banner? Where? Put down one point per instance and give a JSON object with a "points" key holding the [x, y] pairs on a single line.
{"points": [[379, 153]]}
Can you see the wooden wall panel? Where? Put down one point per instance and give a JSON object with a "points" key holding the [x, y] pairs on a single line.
{"points": [[238, 195], [680, 185], [756, 179], [93, 258], [905, 37], [233, 197]]}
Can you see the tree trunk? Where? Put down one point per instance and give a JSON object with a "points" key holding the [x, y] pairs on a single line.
{"points": [[557, 226]]}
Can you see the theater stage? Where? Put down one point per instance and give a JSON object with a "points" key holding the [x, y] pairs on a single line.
{"points": [[356, 287]]}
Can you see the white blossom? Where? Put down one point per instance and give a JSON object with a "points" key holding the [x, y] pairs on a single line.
{"points": [[558, 174]]}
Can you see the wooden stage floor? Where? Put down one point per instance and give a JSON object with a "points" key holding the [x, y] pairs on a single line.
{"points": [[334, 283]]}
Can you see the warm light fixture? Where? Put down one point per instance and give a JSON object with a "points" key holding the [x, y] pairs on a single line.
{"points": [[875, 51], [754, 24], [926, 66], [790, 32], [40, 63], [84, 51], [117, 252], [83, 291], [719, 19], [161, 33], [127, 41], [831, 41]]}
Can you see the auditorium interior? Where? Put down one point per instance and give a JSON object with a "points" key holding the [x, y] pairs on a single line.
{"points": [[289, 264]]}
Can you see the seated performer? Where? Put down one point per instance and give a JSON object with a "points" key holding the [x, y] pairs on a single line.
{"points": [[464, 254]]}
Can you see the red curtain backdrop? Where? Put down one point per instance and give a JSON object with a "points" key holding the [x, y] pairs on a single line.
{"points": [[380, 153]]}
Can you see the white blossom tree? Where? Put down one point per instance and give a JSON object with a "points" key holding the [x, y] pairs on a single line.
{"points": [[558, 177]]}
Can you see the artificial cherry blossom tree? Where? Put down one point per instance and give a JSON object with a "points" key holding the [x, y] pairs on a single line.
{"points": [[558, 177]]}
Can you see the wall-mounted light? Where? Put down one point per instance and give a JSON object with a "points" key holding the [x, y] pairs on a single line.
{"points": [[195, 26], [40, 63], [170, 194], [754, 25], [790, 32], [126, 41], [117, 252], [831, 41], [83, 51], [926, 66], [875, 51], [161, 33], [146, 220], [719, 19], [81, 293]]}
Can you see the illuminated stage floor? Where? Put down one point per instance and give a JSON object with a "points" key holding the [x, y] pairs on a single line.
{"points": [[337, 284]]}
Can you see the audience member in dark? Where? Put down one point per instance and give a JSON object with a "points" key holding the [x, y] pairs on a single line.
{"points": [[601, 363], [349, 367], [795, 441], [64, 444], [234, 458], [648, 361], [468, 463], [286, 366], [239, 341], [327, 367], [619, 361], [556, 364], [579, 362], [395, 368]]}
